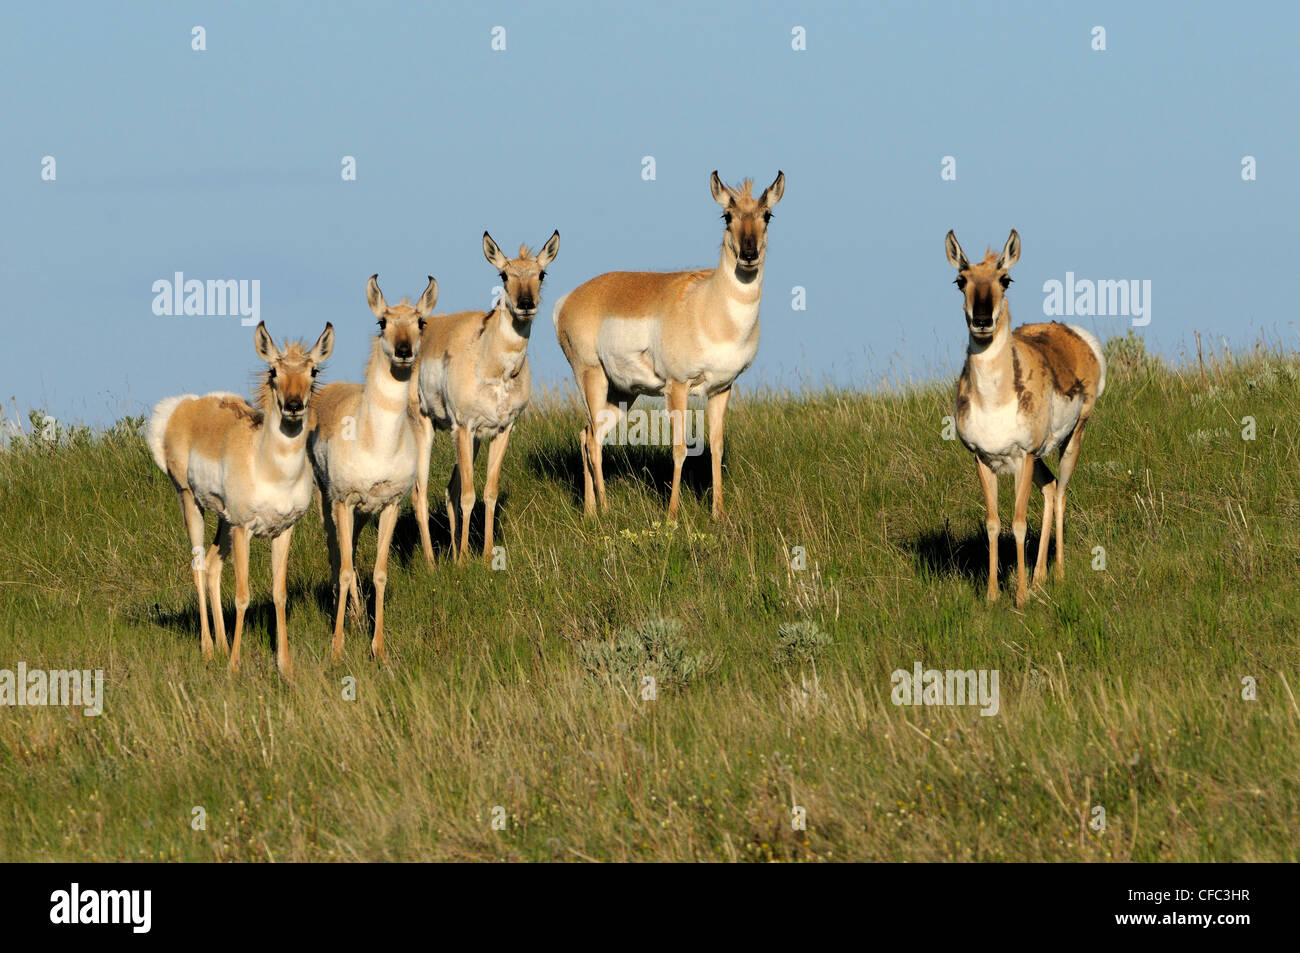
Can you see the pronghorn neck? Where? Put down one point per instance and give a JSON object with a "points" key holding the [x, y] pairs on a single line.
{"points": [[990, 365], [384, 400], [738, 293], [280, 446], [509, 333]]}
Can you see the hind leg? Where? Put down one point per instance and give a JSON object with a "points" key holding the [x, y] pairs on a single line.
{"points": [[1047, 483], [217, 552], [603, 415], [1069, 457], [193, 517], [239, 538]]}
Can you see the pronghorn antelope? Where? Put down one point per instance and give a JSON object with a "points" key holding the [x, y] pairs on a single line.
{"points": [[1021, 395], [474, 381], [628, 333], [363, 449], [248, 464]]}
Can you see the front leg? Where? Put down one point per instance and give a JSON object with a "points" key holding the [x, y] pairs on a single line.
{"points": [[239, 537], [279, 594], [677, 393], [717, 412], [465, 477], [496, 454], [387, 520], [989, 483], [1020, 523], [424, 450]]}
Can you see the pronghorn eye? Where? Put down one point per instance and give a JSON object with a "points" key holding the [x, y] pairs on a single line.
{"points": [[421, 322], [271, 373], [767, 217], [726, 217], [541, 276], [315, 371], [383, 323], [960, 282], [1006, 280], [503, 276]]}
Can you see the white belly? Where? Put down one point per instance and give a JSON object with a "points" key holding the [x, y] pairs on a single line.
{"points": [[997, 435], [366, 478], [627, 350], [1064, 416], [266, 508]]}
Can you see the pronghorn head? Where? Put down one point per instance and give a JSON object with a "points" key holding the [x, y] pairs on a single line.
{"points": [[521, 277], [400, 325], [746, 218], [291, 377], [983, 285]]}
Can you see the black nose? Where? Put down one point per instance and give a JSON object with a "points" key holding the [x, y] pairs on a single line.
{"points": [[525, 304], [403, 350], [293, 406]]}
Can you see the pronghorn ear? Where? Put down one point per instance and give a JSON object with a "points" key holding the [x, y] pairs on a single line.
{"points": [[266, 348], [721, 194], [1010, 251], [427, 300], [772, 194], [375, 297], [324, 345], [493, 254], [956, 257], [550, 249]]}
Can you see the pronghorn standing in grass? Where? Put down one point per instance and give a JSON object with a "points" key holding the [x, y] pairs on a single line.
{"points": [[363, 449], [1021, 395], [628, 333], [474, 381], [250, 466]]}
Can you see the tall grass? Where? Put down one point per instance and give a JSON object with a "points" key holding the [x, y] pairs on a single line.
{"points": [[1120, 689]]}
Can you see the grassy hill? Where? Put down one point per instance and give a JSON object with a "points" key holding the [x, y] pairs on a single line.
{"points": [[519, 689]]}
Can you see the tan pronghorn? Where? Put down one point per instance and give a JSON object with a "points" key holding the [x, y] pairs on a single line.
{"points": [[363, 449], [628, 333], [474, 381], [1021, 395], [249, 465]]}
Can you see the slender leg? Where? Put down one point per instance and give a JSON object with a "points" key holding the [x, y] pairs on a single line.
{"points": [[595, 390], [1020, 523], [677, 393], [343, 521], [1047, 483], [465, 464], [989, 483], [1069, 457], [194, 527], [496, 454], [387, 520], [280, 595], [424, 450], [717, 412], [452, 495], [219, 549], [356, 608], [239, 538]]}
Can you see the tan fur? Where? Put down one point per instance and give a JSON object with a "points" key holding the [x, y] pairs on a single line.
{"points": [[630, 333], [474, 381], [250, 466], [1021, 395], [363, 450]]}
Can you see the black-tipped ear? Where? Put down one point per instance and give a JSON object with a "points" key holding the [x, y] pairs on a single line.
{"points": [[324, 345], [265, 346], [956, 257], [1010, 251], [492, 253], [772, 194], [721, 194], [375, 297], [550, 249]]}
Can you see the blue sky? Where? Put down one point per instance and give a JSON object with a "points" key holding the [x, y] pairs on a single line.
{"points": [[225, 163]]}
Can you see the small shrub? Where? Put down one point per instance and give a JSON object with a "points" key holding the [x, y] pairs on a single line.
{"points": [[800, 642], [653, 648]]}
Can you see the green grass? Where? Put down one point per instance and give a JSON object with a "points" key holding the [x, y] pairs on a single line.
{"points": [[1119, 688]]}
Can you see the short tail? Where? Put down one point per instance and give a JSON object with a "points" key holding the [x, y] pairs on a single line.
{"points": [[157, 427], [1093, 343], [555, 312]]}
